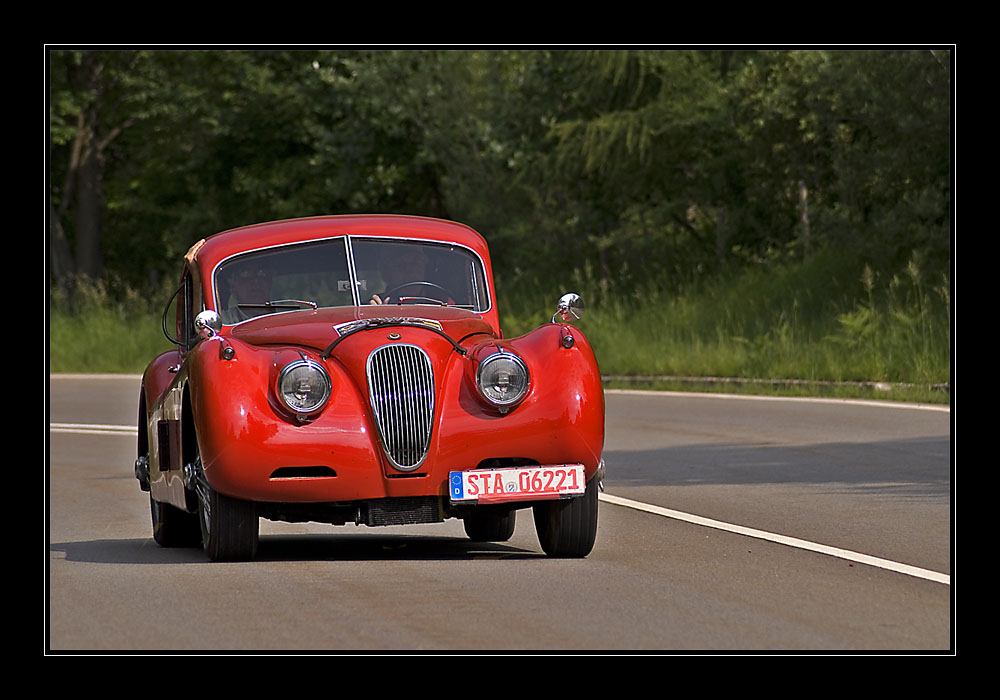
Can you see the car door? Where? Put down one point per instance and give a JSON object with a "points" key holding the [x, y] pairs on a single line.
{"points": [[167, 454]]}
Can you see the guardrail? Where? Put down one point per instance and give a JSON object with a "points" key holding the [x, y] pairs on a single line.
{"points": [[875, 385]]}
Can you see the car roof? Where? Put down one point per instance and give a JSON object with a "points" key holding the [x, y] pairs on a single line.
{"points": [[212, 250]]}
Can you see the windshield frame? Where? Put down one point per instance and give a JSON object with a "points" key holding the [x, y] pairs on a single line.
{"points": [[480, 270]]}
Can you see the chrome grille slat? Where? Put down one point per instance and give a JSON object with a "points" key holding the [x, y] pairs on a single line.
{"points": [[401, 389]]}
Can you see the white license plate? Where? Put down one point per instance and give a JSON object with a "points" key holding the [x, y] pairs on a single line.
{"points": [[520, 484]]}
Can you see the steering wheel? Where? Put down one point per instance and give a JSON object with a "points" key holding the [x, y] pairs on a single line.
{"points": [[447, 294]]}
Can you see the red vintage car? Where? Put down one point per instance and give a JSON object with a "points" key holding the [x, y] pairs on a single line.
{"points": [[352, 369]]}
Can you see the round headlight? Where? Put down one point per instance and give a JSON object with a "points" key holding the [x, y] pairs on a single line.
{"points": [[503, 379], [304, 386]]}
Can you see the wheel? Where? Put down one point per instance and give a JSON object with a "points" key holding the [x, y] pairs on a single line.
{"points": [[172, 527], [568, 528], [488, 524], [229, 527]]}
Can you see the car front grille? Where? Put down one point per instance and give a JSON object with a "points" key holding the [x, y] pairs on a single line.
{"points": [[401, 387]]}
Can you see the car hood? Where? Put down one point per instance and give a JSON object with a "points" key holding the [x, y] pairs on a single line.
{"points": [[318, 328]]}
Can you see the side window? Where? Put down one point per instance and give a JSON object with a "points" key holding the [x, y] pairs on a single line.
{"points": [[185, 311], [180, 309]]}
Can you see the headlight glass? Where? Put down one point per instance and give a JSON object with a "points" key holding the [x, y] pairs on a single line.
{"points": [[304, 386], [503, 379]]}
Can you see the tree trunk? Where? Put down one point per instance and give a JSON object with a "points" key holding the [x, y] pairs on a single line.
{"points": [[82, 192], [60, 257], [89, 202]]}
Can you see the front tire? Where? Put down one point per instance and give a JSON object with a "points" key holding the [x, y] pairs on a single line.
{"points": [[568, 528], [490, 524], [229, 527], [172, 527]]}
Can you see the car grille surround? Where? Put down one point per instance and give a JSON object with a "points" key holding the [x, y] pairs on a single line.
{"points": [[401, 391]]}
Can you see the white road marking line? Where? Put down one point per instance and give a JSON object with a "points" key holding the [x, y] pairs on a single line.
{"points": [[93, 429], [781, 539]]}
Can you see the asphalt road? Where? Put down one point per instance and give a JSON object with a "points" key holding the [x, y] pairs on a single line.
{"points": [[727, 525]]}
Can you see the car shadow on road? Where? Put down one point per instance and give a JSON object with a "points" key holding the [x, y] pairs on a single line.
{"points": [[333, 547], [376, 547]]}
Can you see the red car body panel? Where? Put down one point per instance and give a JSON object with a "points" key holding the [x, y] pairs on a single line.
{"points": [[222, 388]]}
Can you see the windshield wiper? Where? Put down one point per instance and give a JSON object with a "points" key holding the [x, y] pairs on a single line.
{"points": [[432, 300], [425, 300], [280, 304]]}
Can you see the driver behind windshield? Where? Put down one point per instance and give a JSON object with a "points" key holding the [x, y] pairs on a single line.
{"points": [[403, 270], [250, 286]]}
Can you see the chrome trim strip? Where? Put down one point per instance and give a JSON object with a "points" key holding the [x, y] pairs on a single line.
{"points": [[352, 272]]}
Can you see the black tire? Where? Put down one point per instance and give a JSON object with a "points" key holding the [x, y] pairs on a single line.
{"points": [[568, 528], [230, 528], [490, 524], [172, 527]]}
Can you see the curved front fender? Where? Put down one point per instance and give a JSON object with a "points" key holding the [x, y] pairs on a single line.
{"points": [[244, 440], [561, 419]]}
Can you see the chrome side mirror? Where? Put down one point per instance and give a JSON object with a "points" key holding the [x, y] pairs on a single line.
{"points": [[570, 308], [207, 323]]}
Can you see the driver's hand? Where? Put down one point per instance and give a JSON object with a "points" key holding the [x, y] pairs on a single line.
{"points": [[376, 299]]}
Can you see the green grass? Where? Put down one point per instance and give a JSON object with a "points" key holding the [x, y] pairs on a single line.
{"points": [[818, 328], [91, 333], [815, 328]]}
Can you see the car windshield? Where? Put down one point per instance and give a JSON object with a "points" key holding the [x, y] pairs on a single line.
{"points": [[346, 272]]}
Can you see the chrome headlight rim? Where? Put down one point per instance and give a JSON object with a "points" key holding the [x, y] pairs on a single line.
{"points": [[485, 365], [316, 405]]}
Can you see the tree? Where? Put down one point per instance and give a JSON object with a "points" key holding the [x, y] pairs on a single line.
{"points": [[640, 165], [96, 98], [80, 88]]}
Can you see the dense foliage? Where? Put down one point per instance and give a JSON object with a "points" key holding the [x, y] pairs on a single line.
{"points": [[667, 165]]}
